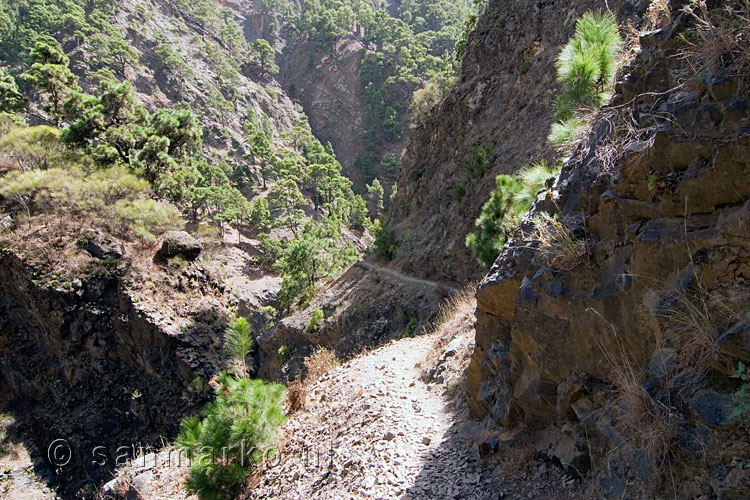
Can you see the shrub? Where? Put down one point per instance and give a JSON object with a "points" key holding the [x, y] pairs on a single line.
{"points": [[500, 215], [269, 312], [316, 319], [384, 246], [496, 221], [146, 219], [320, 362], [238, 340], [296, 397], [585, 68], [37, 147], [479, 163], [459, 191], [237, 430]]}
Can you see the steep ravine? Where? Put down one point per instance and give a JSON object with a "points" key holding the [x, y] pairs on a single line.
{"points": [[84, 366], [493, 103]]}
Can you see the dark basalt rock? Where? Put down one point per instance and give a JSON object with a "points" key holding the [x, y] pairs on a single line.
{"points": [[102, 246], [180, 243]]}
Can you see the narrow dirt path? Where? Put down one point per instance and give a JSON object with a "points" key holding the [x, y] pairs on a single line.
{"points": [[373, 429], [403, 277]]}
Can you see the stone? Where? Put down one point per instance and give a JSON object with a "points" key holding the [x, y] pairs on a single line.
{"points": [[180, 243], [102, 246], [736, 340], [426, 441], [453, 347], [7, 223], [662, 362], [712, 407], [389, 436]]}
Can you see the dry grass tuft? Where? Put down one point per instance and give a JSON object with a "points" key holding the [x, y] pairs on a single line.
{"points": [[693, 324], [659, 14], [720, 41], [653, 425], [320, 362], [557, 246], [296, 397], [455, 312]]}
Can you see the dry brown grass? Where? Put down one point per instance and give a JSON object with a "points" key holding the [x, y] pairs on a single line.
{"points": [[720, 41], [320, 362], [659, 14], [454, 313], [558, 248], [296, 397], [692, 326], [651, 424]]}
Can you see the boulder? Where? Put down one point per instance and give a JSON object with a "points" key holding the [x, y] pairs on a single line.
{"points": [[180, 243], [7, 223], [102, 246]]}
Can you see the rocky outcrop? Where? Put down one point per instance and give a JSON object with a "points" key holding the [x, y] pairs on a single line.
{"points": [[179, 243], [608, 334], [504, 100], [82, 365]]}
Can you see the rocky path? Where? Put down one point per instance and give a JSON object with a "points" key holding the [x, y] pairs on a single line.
{"points": [[403, 277], [374, 429]]}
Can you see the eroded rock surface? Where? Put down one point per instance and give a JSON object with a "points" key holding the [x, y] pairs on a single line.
{"points": [[657, 199]]}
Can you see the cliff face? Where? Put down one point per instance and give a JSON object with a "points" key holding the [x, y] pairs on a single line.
{"points": [[332, 97], [504, 100], [494, 103], [84, 366], [617, 331]]}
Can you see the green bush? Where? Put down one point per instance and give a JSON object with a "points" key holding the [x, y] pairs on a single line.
{"points": [[237, 430], [508, 203], [384, 246], [269, 312], [479, 163], [586, 69], [459, 191], [37, 147], [147, 219], [316, 319]]}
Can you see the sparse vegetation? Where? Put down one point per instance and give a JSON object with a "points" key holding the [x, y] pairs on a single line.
{"points": [[316, 320], [320, 362], [558, 248], [586, 69], [719, 42]]}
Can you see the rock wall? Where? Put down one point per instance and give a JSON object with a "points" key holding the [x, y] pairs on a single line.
{"points": [[504, 99], [83, 365], [628, 335]]}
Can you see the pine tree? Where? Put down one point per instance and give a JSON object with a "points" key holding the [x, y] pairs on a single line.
{"points": [[50, 74], [11, 99], [238, 341]]}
